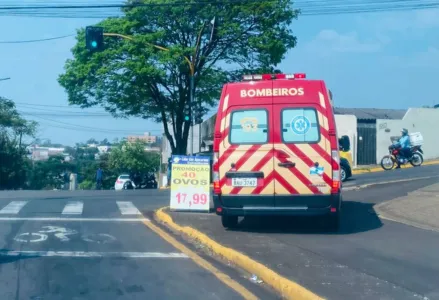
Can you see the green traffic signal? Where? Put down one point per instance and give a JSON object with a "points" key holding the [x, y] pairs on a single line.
{"points": [[94, 38], [186, 118]]}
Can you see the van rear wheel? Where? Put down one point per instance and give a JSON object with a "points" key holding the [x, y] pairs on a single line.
{"points": [[229, 221]]}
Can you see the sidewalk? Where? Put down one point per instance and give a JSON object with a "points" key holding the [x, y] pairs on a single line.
{"points": [[419, 208]]}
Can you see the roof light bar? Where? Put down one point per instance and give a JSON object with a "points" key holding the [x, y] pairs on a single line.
{"points": [[273, 76]]}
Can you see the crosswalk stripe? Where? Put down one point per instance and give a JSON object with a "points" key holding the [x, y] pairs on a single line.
{"points": [[127, 208], [13, 207], [73, 208]]}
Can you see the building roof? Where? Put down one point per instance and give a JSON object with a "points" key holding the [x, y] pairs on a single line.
{"points": [[371, 113]]}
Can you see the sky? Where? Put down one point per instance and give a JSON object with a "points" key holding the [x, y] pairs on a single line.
{"points": [[369, 60]]}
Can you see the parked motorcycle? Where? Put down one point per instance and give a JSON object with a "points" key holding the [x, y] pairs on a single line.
{"points": [[415, 158]]}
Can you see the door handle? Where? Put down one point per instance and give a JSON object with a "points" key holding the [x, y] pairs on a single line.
{"points": [[288, 164]]}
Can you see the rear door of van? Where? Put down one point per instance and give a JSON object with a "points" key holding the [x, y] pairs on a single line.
{"points": [[302, 149], [246, 151]]}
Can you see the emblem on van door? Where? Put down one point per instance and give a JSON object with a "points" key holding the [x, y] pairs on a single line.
{"points": [[300, 125], [249, 124], [316, 171]]}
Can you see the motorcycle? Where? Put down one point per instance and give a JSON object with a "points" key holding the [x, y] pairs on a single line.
{"points": [[415, 158]]}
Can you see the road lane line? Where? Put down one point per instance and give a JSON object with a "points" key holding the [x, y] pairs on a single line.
{"points": [[127, 208], [367, 185], [67, 219], [13, 207], [73, 208], [92, 254], [224, 278]]}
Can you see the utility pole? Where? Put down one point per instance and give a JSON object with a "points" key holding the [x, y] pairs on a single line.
{"points": [[192, 102], [192, 86]]}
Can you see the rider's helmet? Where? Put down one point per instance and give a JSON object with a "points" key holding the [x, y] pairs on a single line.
{"points": [[404, 131]]}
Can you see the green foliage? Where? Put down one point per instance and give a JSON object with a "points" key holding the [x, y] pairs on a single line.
{"points": [[50, 174], [132, 158], [13, 163], [135, 78], [87, 185]]}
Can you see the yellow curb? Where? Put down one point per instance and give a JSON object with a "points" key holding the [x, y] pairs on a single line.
{"points": [[379, 169], [285, 287], [241, 290]]}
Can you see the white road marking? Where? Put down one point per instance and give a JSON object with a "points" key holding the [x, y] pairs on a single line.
{"points": [[27, 237], [59, 232], [66, 219], [13, 207], [127, 208], [363, 186], [73, 208], [92, 254], [100, 238]]}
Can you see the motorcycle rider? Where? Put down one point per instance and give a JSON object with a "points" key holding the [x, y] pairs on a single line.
{"points": [[404, 143]]}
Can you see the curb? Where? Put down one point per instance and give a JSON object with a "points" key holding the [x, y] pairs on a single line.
{"points": [[379, 169], [385, 216], [285, 287]]}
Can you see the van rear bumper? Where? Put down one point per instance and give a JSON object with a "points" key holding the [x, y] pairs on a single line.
{"points": [[300, 207]]}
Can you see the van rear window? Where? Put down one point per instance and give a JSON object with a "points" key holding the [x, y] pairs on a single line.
{"points": [[249, 127], [300, 125]]}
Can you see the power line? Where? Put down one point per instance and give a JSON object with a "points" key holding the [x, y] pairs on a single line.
{"points": [[38, 40], [64, 111], [308, 8], [87, 127], [134, 5]]}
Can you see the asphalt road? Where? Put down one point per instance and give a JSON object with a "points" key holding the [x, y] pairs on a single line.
{"points": [[86, 245], [98, 249], [369, 258], [393, 175]]}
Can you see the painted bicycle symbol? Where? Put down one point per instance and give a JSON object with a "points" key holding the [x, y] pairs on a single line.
{"points": [[62, 234]]}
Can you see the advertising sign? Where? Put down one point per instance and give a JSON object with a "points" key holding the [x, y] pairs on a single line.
{"points": [[190, 183]]}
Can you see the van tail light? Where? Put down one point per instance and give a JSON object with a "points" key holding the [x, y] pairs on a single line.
{"points": [[119, 181], [216, 177], [335, 157]]}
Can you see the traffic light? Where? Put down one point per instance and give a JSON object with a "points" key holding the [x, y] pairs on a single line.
{"points": [[94, 38], [187, 112], [198, 115]]}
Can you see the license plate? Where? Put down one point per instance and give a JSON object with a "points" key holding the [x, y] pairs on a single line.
{"points": [[245, 182]]}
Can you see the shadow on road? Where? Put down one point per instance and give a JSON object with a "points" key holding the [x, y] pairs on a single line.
{"points": [[356, 217]]}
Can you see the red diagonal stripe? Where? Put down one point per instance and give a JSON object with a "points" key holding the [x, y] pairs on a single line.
{"points": [[267, 181], [226, 154], [241, 161], [299, 174], [320, 151], [224, 135], [281, 180], [324, 132], [261, 163], [307, 161]]}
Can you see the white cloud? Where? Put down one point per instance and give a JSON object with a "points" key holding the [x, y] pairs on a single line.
{"points": [[329, 41]]}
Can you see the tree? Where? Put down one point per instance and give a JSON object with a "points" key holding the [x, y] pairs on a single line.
{"points": [[135, 78], [13, 128], [132, 158], [92, 141]]}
